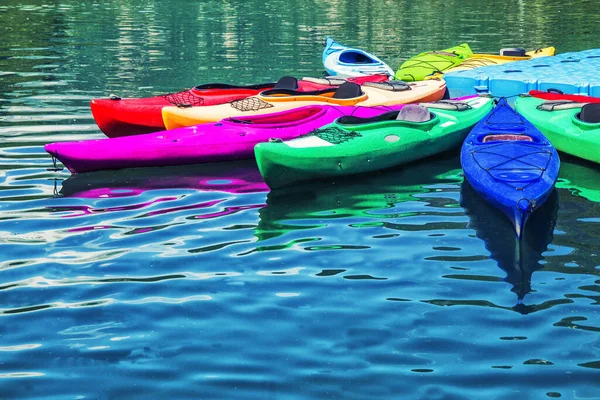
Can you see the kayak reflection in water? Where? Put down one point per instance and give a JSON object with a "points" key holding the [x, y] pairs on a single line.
{"points": [[517, 258]]}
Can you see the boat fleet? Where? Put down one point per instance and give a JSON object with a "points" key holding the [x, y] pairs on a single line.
{"points": [[362, 117]]}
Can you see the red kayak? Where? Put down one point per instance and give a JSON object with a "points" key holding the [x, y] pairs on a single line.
{"points": [[553, 94], [123, 117]]}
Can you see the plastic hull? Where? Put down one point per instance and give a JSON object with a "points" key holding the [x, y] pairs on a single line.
{"points": [[347, 61], [513, 173], [221, 141], [133, 116], [339, 149], [175, 117], [562, 127]]}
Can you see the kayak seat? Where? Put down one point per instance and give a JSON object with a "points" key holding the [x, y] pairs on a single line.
{"points": [[513, 52], [414, 113], [590, 113], [287, 82], [348, 90], [503, 137], [355, 57]]}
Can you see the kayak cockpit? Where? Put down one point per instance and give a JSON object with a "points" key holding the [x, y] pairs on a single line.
{"points": [[408, 113], [355, 57], [506, 138], [348, 93], [286, 82], [348, 90], [590, 113], [292, 117]]}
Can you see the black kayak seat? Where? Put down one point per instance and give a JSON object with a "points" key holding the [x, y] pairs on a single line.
{"points": [[590, 113], [513, 52], [287, 82], [348, 90]]}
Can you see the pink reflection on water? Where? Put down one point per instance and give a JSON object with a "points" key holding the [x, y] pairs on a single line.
{"points": [[89, 228], [88, 210], [235, 178]]}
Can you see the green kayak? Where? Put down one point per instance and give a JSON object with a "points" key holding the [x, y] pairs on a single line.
{"points": [[572, 127], [353, 145], [431, 62]]}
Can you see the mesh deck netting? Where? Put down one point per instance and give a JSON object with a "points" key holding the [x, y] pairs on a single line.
{"points": [[334, 135], [250, 104], [183, 98]]}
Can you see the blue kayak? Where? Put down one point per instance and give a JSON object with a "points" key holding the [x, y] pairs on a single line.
{"points": [[510, 164], [347, 61]]}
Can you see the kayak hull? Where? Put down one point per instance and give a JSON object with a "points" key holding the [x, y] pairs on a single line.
{"points": [[510, 164], [118, 117], [562, 127], [483, 60], [175, 117], [130, 116], [338, 150], [213, 142], [432, 62], [347, 61], [557, 96]]}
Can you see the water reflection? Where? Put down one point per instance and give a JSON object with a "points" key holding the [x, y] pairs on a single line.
{"points": [[517, 258], [377, 196], [235, 177], [139, 267], [580, 177]]}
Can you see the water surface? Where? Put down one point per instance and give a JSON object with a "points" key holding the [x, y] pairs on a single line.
{"points": [[197, 282]]}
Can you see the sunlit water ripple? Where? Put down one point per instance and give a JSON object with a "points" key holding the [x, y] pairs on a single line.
{"points": [[196, 282]]}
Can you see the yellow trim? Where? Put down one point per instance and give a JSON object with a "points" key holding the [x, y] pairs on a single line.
{"points": [[319, 99]]}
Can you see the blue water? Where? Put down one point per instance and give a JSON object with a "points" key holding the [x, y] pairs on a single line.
{"points": [[196, 282]]}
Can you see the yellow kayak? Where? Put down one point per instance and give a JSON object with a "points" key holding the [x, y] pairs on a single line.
{"points": [[483, 60], [270, 101]]}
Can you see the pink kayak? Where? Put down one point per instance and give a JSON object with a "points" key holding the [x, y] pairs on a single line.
{"points": [[228, 139]]}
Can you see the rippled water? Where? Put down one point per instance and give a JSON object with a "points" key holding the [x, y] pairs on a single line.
{"points": [[197, 282]]}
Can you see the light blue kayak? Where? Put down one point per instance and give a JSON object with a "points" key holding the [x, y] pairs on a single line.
{"points": [[347, 61]]}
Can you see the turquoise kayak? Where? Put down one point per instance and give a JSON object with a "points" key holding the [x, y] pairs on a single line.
{"points": [[353, 145], [347, 61]]}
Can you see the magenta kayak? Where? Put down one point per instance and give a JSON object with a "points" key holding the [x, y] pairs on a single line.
{"points": [[228, 139]]}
